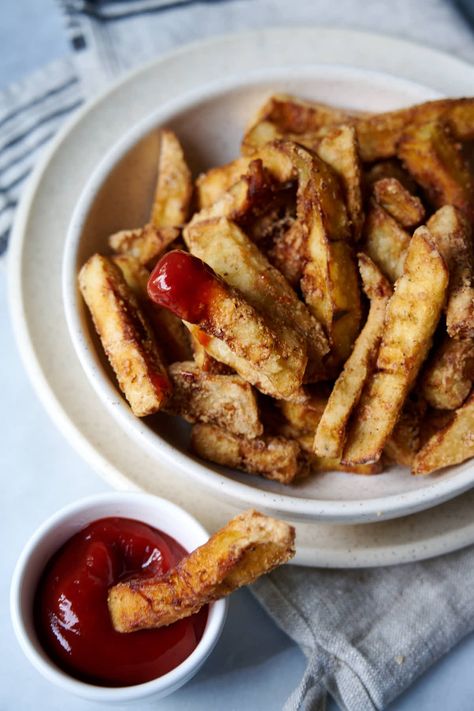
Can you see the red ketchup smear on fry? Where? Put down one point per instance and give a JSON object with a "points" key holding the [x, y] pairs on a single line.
{"points": [[71, 614], [184, 285]]}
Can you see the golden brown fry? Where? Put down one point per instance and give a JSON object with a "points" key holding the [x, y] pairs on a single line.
{"points": [[385, 241], [449, 373], [331, 432], [126, 336], [249, 546], [405, 440], [330, 284], [411, 318], [391, 168], [233, 332], [432, 156], [172, 336], [452, 235], [212, 185], [379, 134], [340, 150], [304, 417], [174, 186], [275, 458], [227, 401], [203, 360], [399, 202], [331, 464], [233, 256], [252, 192], [145, 243], [284, 116], [451, 445]]}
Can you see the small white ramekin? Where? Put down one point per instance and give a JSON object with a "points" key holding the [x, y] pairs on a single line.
{"points": [[51, 535]]}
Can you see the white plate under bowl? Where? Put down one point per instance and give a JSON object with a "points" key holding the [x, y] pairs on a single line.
{"points": [[35, 284], [210, 121]]}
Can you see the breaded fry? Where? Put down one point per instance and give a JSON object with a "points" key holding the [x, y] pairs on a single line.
{"points": [[171, 334], [432, 156], [452, 235], [385, 241], [231, 254], [405, 440], [379, 134], [249, 546], [125, 335], [288, 253], [237, 335], [391, 168], [331, 464], [227, 401], [330, 284], [304, 417], [203, 360], [331, 431], [453, 444], [212, 185], [340, 149], [275, 458], [284, 116], [145, 243], [411, 318], [449, 374], [174, 186], [243, 198], [404, 207]]}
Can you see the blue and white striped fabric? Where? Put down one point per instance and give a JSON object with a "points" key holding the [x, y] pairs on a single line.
{"points": [[109, 37]]}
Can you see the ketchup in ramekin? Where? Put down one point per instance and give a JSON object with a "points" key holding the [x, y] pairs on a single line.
{"points": [[71, 614]]}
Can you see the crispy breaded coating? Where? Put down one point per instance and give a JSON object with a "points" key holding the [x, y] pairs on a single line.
{"points": [[230, 329], [331, 431], [275, 458], [320, 464], [232, 255], [390, 168], [145, 243], [174, 186], [340, 149], [453, 444], [434, 158], [452, 235], [385, 241], [405, 440], [330, 284], [410, 321], [404, 207], [211, 185], [125, 335], [449, 373], [227, 401], [249, 546]]}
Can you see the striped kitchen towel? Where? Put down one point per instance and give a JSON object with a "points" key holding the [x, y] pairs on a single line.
{"points": [[109, 37]]}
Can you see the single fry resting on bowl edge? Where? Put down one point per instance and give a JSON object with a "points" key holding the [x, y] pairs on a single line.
{"points": [[309, 306]]}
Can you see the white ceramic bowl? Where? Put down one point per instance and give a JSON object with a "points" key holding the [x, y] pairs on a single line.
{"points": [[210, 122], [50, 537]]}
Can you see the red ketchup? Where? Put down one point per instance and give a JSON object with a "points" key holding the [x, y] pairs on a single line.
{"points": [[71, 614], [184, 285]]}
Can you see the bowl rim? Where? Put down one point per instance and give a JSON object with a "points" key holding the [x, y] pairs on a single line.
{"points": [[162, 685], [346, 511]]}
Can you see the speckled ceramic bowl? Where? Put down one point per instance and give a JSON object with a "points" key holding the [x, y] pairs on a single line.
{"points": [[209, 121]]}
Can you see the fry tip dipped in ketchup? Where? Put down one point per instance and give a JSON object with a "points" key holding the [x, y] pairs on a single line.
{"points": [[183, 284], [71, 613]]}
